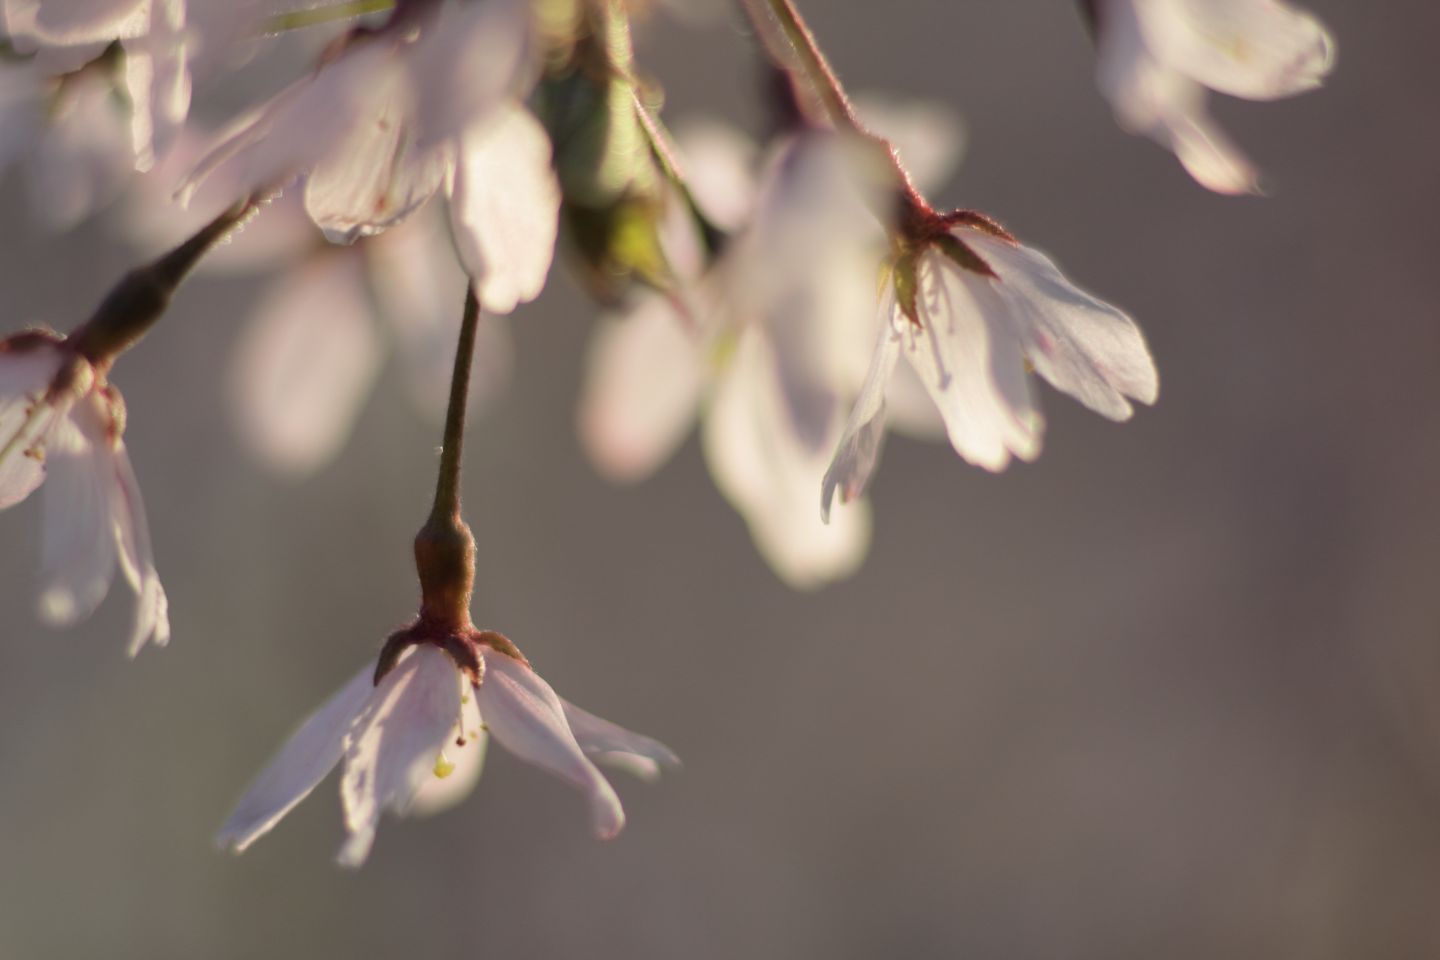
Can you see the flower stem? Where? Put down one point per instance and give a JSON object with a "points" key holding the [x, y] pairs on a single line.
{"points": [[447, 487], [810, 58], [143, 295], [444, 547]]}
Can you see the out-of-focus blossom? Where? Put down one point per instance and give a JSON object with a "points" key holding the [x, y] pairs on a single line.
{"points": [[769, 346], [399, 114], [1157, 57], [414, 741], [973, 311], [154, 67], [61, 421]]}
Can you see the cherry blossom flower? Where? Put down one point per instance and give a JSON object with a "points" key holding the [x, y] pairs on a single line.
{"points": [[413, 741], [429, 103], [61, 421], [973, 311], [757, 348], [1156, 57], [768, 347]]}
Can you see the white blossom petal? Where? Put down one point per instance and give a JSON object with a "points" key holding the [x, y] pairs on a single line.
{"points": [[310, 753], [858, 451], [305, 365], [643, 376], [1256, 49], [376, 176], [459, 767], [1081, 345], [78, 541], [20, 472], [25, 374], [395, 743], [525, 715], [504, 207], [768, 469], [82, 157], [72, 22], [137, 561], [468, 64], [969, 358], [295, 130], [1154, 99], [613, 745]]}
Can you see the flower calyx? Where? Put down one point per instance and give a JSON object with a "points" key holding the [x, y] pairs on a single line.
{"points": [[464, 647], [922, 229]]}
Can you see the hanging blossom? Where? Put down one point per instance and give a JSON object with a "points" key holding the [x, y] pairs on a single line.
{"points": [[428, 103], [973, 311], [768, 346], [412, 731], [61, 421], [1156, 57]]}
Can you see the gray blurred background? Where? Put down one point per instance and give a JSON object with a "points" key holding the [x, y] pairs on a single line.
{"points": [[1173, 691]]}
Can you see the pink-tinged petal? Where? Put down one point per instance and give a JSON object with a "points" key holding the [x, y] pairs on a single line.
{"points": [[613, 745], [459, 767], [504, 208], [157, 80], [1156, 101], [968, 356], [1081, 345], [71, 22], [1257, 49], [82, 158], [139, 88], [418, 285], [25, 374], [395, 744], [971, 363], [470, 62], [78, 539], [643, 376], [858, 451], [525, 715], [305, 364], [20, 472], [377, 176], [768, 469], [294, 130], [310, 753], [137, 560]]}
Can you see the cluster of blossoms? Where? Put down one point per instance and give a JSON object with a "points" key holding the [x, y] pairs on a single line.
{"points": [[435, 146]]}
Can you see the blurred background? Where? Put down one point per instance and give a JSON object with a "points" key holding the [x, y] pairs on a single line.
{"points": [[1171, 691]]}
